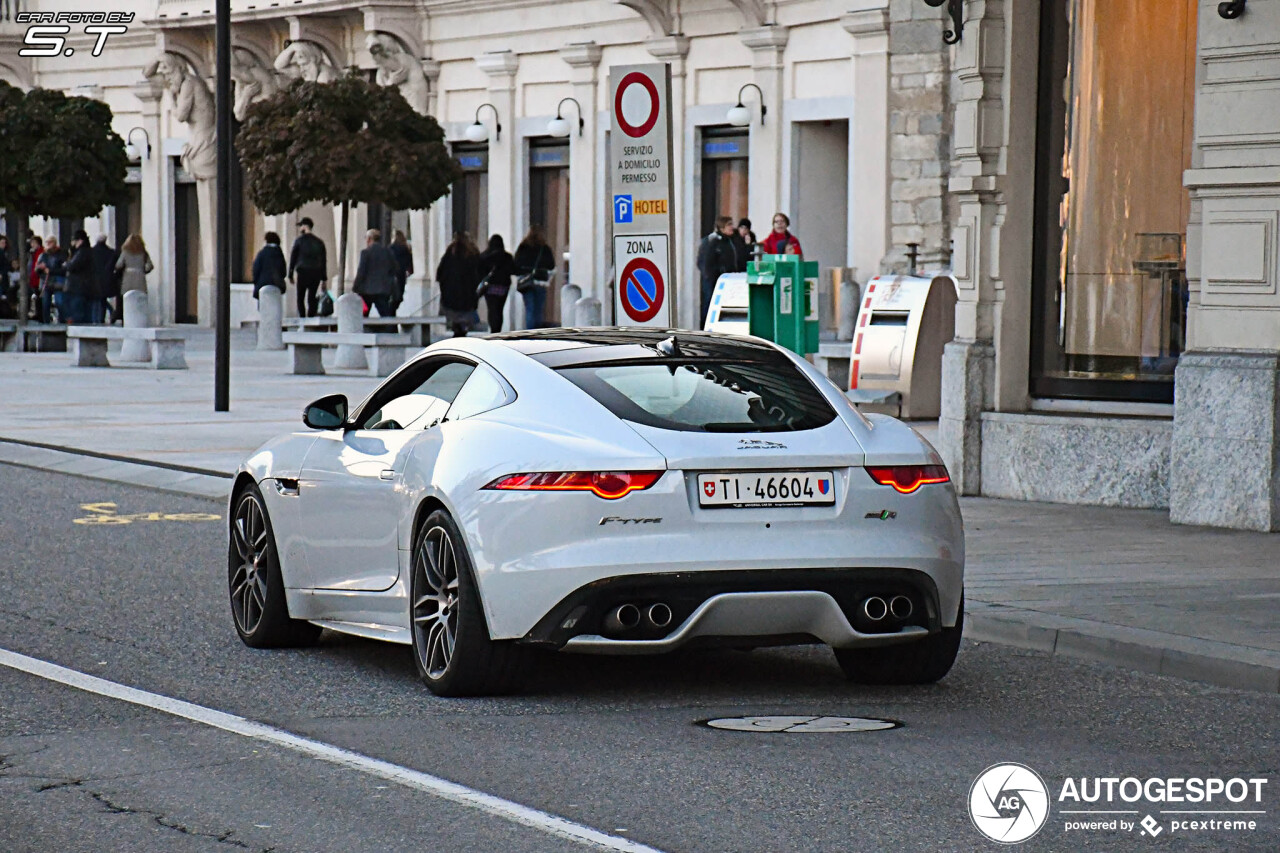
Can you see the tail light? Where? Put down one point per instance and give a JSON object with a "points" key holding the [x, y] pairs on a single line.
{"points": [[609, 485], [907, 478]]}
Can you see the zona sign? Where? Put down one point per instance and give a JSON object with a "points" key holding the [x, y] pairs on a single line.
{"points": [[642, 289], [635, 131]]}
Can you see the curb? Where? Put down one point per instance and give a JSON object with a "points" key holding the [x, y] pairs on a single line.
{"points": [[192, 482], [1190, 658]]}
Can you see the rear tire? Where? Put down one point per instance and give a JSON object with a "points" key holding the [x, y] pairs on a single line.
{"points": [[919, 662], [258, 608], [452, 649]]}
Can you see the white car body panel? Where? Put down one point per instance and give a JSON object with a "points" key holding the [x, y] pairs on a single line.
{"points": [[345, 539]]}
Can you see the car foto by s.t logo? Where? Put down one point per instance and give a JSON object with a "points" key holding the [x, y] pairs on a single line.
{"points": [[47, 35]]}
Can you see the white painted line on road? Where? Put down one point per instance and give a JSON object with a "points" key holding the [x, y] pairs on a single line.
{"points": [[434, 785]]}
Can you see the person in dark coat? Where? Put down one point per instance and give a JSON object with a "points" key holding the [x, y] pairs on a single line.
{"points": [[496, 268], [308, 261], [106, 283], [744, 243], [535, 260], [458, 275], [404, 259], [376, 274], [716, 257], [51, 266], [268, 265], [81, 287]]}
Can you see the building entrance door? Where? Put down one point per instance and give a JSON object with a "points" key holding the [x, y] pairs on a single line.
{"points": [[186, 244], [726, 154], [549, 207]]}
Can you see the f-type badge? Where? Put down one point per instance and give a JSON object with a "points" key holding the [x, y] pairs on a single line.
{"points": [[883, 515], [613, 519]]}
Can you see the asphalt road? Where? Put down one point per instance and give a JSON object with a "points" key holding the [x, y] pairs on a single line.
{"points": [[610, 744]]}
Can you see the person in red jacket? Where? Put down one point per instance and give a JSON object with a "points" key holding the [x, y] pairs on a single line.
{"points": [[781, 241]]}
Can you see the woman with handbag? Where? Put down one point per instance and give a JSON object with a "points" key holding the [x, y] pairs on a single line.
{"points": [[496, 267], [534, 263], [269, 267], [135, 264]]}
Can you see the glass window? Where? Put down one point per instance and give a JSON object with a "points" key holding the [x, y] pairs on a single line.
{"points": [[417, 403], [1117, 92], [706, 396], [482, 392]]}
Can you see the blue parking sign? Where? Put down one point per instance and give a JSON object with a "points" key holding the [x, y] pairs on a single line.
{"points": [[622, 209]]}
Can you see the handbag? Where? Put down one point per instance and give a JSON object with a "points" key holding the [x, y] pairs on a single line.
{"points": [[524, 283], [483, 287]]}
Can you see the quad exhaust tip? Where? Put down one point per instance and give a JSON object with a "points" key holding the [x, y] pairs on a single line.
{"points": [[659, 615], [901, 607], [875, 608], [624, 617]]}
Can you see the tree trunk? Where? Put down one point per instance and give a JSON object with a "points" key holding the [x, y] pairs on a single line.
{"points": [[342, 249], [24, 283]]}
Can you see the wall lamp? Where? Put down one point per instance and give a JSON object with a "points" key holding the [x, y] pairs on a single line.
{"points": [[131, 150], [740, 115], [478, 132], [1231, 9], [559, 126], [955, 8]]}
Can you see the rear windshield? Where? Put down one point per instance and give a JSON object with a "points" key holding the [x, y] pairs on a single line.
{"points": [[705, 395]]}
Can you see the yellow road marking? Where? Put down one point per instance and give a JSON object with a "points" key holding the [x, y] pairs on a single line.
{"points": [[105, 513]]}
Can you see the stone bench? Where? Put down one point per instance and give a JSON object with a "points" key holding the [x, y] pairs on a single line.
{"points": [[33, 337], [387, 350], [418, 328], [89, 345]]}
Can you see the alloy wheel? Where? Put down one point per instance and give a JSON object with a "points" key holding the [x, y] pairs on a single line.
{"points": [[248, 579], [435, 605]]}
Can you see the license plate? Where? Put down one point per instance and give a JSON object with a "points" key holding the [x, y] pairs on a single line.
{"points": [[767, 488]]}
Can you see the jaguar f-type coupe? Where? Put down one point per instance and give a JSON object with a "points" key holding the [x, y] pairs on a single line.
{"points": [[613, 491]]}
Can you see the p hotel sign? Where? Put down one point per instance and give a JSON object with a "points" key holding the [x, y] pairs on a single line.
{"points": [[640, 150]]}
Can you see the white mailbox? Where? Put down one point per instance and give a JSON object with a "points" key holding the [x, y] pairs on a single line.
{"points": [[903, 324], [728, 311]]}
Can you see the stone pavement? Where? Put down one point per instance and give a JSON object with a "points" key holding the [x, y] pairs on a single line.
{"points": [[1114, 585]]}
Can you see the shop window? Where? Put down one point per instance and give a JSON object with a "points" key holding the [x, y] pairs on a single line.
{"points": [[1117, 89]]}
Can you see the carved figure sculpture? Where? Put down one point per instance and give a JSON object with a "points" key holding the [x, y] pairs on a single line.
{"points": [[306, 61], [254, 80], [194, 106], [397, 67]]}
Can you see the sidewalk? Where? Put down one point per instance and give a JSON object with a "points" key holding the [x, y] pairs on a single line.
{"points": [[1119, 586]]}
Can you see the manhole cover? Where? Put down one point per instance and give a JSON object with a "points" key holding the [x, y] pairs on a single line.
{"points": [[802, 724]]}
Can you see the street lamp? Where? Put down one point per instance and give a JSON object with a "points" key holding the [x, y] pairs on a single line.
{"points": [[131, 150], [740, 115], [478, 132], [559, 126]]}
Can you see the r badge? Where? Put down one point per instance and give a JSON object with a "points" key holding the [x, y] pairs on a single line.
{"points": [[883, 515]]}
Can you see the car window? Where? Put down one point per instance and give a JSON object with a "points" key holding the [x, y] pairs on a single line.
{"points": [[706, 395], [482, 392], [424, 405]]}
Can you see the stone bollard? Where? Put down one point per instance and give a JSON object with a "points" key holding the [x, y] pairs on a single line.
{"points": [[349, 309], [136, 316], [270, 318], [587, 312], [569, 296], [850, 296]]}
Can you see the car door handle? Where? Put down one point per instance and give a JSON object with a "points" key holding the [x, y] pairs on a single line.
{"points": [[387, 474]]}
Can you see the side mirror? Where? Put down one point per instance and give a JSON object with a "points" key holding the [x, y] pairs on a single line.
{"points": [[327, 412]]}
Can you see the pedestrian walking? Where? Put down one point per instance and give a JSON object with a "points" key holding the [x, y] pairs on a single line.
{"points": [[105, 282], [308, 266], [496, 268], [268, 265], [80, 285], [535, 261], [404, 260], [716, 256], [458, 277], [133, 265], [375, 275], [53, 280], [780, 240]]}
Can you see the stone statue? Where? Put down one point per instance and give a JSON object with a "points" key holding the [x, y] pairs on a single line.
{"points": [[397, 67], [254, 80], [194, 106], [305, 60]]}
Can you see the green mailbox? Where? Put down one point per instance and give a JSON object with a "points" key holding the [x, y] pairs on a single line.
{"points": [[783, 303]]}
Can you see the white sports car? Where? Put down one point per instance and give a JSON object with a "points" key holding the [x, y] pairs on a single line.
{"points": [[601, 490]]}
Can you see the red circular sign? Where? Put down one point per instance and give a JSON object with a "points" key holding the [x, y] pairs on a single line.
{"points": [[635, 78], [642, 289]]}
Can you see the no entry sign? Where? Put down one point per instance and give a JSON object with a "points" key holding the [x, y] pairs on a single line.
{"points": [[640, 150], [644, 293]]}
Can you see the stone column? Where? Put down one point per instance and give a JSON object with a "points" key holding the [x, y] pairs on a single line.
{"points": [[505, 173], [270, 317], [417, 288], [135, 317], [157, 195], [869, 172], [673, 50], [585, 223], [767, 45]]}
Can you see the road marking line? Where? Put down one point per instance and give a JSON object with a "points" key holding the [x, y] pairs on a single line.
{"points": [[434, 785]]}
